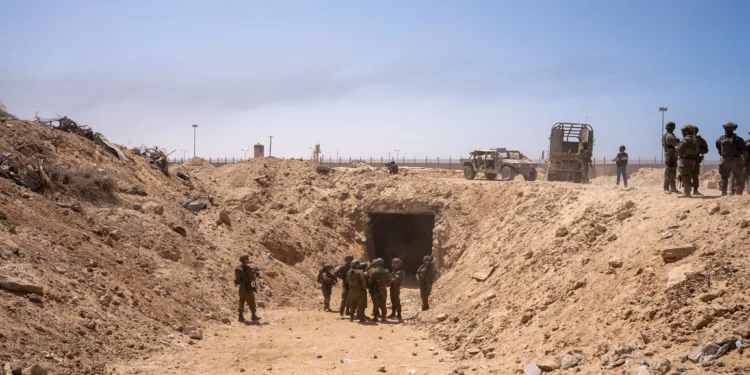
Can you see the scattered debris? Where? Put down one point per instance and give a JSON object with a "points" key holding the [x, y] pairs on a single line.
{"points": [[712, 350], [484, 274], [194, 205], [158, 157], [673, 254]]}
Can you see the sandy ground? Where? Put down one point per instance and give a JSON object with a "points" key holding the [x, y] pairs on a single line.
{"points": [[289, 341]]}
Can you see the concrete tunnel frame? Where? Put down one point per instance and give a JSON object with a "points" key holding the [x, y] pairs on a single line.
{"points": [[414, 212]]}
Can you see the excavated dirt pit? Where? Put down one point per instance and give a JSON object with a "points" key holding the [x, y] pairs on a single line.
{"points": [[404, 236]]}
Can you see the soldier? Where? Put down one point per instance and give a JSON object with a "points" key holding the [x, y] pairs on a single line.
{"points": [[731, 148], [747, 164], [426, 275], [326, 280], [244, 277], [702, 150], [397, 278], [621, 160], [668, 142], [687, 153], [585, 156], [341, 272], [378, 282], [357, 291]]}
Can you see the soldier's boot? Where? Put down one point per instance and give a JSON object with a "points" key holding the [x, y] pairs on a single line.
{"points": [[399, 317], [241, 318], [393, 314], [673, 189], [351, 318], [723, 193], [255, 317], [685, 195], [696, 192]]}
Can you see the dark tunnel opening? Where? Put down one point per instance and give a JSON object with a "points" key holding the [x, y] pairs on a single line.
{"points": [[404, 236]]}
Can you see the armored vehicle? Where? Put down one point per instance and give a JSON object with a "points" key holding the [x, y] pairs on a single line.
{"points": [[565, 141], [498, 161]]}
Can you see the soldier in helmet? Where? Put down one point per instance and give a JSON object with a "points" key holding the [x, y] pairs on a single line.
{"points": [[327, 280], [244, 277], [357, 290], [702, 150], [669, 142], [341, 272], [621, 160], [426, 275], [397, 278], [585, 155], [688, 151], [732, 148], [378, 282]]}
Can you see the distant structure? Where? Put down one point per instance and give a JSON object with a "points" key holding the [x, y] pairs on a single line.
{"points": [[258, 151], [316, 153]]}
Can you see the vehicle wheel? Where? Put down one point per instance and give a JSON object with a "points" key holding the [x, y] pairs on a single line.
{"points": [[490, 176], [469, 173], [508, 173], [531, 176]]}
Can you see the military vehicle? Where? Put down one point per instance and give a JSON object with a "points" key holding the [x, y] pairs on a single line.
{"points": [[565, 141], [498, 161]]}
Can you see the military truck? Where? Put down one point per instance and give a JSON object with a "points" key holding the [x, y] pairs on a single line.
{"points": [[498, 161], [565, 141]]}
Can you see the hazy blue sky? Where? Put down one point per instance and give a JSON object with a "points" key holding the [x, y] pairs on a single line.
{"points": [[432, 78]]}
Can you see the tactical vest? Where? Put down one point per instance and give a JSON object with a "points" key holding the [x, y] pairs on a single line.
{"points": [[727, 147], [690, 147], [664, 144], [381, 279], [353, 279]]}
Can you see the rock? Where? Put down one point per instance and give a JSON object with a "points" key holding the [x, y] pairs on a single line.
{"points": [[743, 332], [612, 237], [489, 355], [624, 215], [710, 185], [180, 230], [678, 274], [19, 285], [381, 369], [196, 334], [561, 232], [322, 169], [137, 206], [526, 317], [644, 370], [194, 205], [615, 263], [106, 300], [344, 196], [568, 361], [707, 297], [225, 320], [115, 235], [714, 209], [441, 317], [34, 370], [744, 224], [549, 364], [532, 369], [490, 296], [664, 366], [224, 218], [474, 351], [76, 207], [702, 322], [261, 304], [529, 255], [673, 254], [154, 208]]}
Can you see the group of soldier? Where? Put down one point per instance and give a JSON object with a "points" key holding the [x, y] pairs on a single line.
{"points": [[687, 154], [358, 278]]}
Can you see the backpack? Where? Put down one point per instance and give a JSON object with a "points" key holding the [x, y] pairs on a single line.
{"points": [[726, 146], [702, 145], [238, 276], [692, 147]]}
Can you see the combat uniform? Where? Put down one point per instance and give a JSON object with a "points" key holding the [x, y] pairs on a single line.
{"points": [[687, 153], [357, 293], [246, 281], [731, 148], [378, 283], [341, 272], [397, 278], [622, 167], [426, 275], [702, 150], [747, 164], [585, 155], [668, 142], [326, 280]]}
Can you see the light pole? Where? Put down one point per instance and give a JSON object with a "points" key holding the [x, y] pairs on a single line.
{"points": [[662, 110], [245, 152], [183, 154], [195, 131], [270, 145], [397, 151]]}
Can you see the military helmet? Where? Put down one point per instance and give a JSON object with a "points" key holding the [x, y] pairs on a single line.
{"points": [[397, 261], [355, 263], [696, 129], [670, 125], [427, 257], [377, 262], [244, 258], [328, 266], [349, 257], [687, 129], [622, 148], [730, 126], [362, 265]]}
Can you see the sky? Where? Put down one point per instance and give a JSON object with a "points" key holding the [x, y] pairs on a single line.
{"points": [[365, 78]]}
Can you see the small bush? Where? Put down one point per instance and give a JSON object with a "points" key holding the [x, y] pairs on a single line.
{"points": [[87, 184]]}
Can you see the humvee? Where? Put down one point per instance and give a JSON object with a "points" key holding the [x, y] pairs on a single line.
{"points": [[491, 162], [563, 163]]}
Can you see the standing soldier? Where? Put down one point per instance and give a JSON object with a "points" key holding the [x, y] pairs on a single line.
{"points": [[747, 164], [702, 150], [379, 279], [357, 291], [244, 277], [621, 160], [326, 280], [397, 278], [731, 148], [426, 275], [687, 153], [341, 272], [585, 155], [668, 142]]}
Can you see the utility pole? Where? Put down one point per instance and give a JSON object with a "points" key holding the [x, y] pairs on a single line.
{"points": [[195, 131], [270, 145], [183, 154], [397, 151], [662, 110], [245, 152]]}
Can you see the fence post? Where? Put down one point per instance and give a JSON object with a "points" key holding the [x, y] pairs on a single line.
{"points": [[438, 162], [370, 160], [450, 161], [350, 160], [381, 161], [425, 162]]}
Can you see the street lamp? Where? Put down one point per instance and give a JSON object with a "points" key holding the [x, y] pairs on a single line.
{"points": [[195, 131], [183, 154], [245, 152], [662, 110], [270, 145], [397, 151]]}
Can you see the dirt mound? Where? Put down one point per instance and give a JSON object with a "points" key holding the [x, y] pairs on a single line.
{"points": [[643, 178]]}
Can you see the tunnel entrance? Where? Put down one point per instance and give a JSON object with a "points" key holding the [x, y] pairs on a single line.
{"points": [[404, 236]]}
